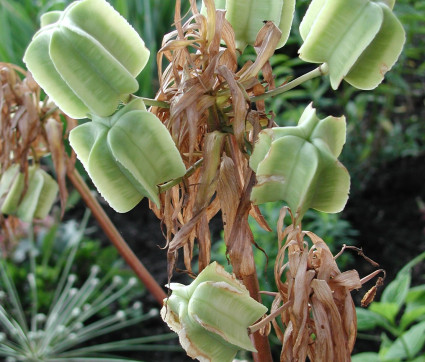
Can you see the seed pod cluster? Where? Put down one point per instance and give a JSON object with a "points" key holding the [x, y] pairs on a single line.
{"points": [[86, 58], [127, 155], [299, 164], [212, 315], [359, 39], [38, 198]]}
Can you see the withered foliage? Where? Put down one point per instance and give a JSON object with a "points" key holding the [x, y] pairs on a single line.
{"points": [[214, 124], [209, 115], [319, 316], [30, 129]]}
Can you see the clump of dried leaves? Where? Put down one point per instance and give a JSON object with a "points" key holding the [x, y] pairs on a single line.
{"points": [[318, 315], [215, 125]]}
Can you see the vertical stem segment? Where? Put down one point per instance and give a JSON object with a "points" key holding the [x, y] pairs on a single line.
{"points": [[261, 342], [114, 236], [242, 260]]}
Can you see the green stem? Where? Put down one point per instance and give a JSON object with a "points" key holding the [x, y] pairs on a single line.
{"points": [[49, 113], [319, 71], [189, 172], [151, 102]]}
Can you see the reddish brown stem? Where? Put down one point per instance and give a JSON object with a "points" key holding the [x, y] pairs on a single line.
{"points": [[261, 342], [242, 260], [114, 236]]}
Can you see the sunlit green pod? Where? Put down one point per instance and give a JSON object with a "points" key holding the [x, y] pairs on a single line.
{"points": [[86, 58], [360, 40], [247, 17], [127, 155], [299, 165], [212, 314], [38, 198]]}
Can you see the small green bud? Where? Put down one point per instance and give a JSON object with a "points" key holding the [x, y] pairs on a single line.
{"points": [[212, 315]]}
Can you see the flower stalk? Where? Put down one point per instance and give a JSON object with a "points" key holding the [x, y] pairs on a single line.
{"points": [[112, 233]]}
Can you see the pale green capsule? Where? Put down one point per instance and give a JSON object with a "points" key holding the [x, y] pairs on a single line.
{"points": [[212, 315], [360, 40], [127, 155], [299, 165], [247, 17], [12, 184], [39, 196], [86, 58]]}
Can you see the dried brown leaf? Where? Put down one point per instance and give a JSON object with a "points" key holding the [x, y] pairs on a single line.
{"points": [[54, 130]]}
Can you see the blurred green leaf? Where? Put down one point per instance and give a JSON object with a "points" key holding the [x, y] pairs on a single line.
{"points": [[408, 344], [365, 357], [396, 291], [367, 319], [412, 315], [416, 296], [387, 310]]}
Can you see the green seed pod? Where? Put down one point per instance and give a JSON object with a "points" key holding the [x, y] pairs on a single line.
{"points": [[127, 155], [299, 165], [359, 39], [247, 18], [12, 184], [38, 199], [86, 58], [212, 314]]}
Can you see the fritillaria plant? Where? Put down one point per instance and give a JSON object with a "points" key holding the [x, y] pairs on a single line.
{"points": [[208, 145]]}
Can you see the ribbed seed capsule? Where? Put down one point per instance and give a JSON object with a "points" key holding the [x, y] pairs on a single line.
{"points": [[299, 165], [247, 17], [212, 315], [86, 58], [359, 39], [39, 196], [127, 155]]}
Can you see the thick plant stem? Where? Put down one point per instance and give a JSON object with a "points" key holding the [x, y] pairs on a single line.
{"points": [[261, 342], [114, 236], [243, 263]]}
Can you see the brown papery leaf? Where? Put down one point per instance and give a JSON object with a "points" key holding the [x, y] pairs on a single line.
{"points": [[228, 193], [255, 212], [265, 45], [54, 131], [204, 240], [239, 106], [324, 295], [212, 158], [349, 279], [241, 238]]}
